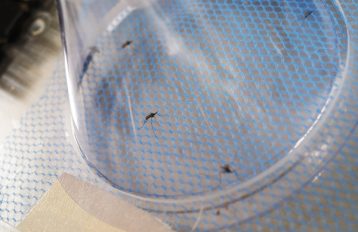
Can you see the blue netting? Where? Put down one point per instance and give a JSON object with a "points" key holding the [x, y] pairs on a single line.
{"points": [[234, 83]]}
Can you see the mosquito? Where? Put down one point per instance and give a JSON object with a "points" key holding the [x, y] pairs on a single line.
{"points": [[226, 169], [126, 44], [308, 14], [150, 117]]}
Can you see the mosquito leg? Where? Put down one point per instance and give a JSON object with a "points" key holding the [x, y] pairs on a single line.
{"points": [[236, 174], [161, 115], [144, 122], [156, 121], [151, 122]]}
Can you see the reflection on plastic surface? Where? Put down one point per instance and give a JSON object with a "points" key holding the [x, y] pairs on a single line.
{"points": [[189, 107], [237, 83]]}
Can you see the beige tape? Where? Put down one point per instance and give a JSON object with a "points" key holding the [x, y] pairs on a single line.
{"points": [[75, 206]]}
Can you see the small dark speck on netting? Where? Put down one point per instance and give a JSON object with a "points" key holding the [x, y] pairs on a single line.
{"points": [[308, 13], [126, 44], [226, 169]]}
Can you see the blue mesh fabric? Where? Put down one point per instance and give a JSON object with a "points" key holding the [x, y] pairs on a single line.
{"points": [[37, 152], [235, 82], [329, 203]]}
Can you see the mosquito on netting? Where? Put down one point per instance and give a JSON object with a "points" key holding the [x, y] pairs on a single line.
{"points": [[126, 44], [150, 117], [226, 169]]}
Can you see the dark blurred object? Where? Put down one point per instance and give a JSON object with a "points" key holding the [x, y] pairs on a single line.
{"points": [[22, 22]]}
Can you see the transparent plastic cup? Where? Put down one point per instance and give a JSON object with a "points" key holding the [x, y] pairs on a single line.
{"points": [[208, 113]]}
